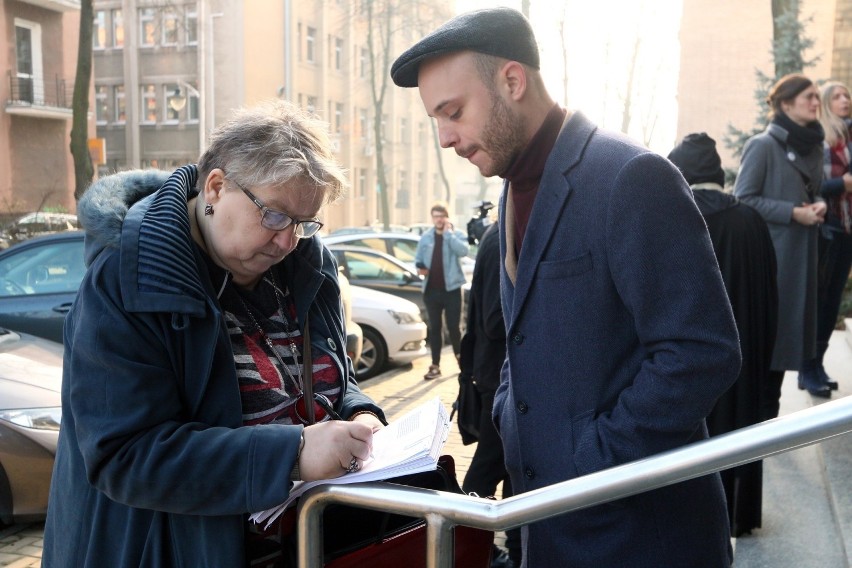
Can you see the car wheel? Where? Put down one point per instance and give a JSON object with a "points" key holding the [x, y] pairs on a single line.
{"points": [[374, 355]]}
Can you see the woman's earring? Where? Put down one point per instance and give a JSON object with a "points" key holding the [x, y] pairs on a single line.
{"points": [[208, 210]]}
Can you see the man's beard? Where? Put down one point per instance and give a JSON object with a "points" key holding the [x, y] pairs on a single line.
{"points": [[503, 138]]}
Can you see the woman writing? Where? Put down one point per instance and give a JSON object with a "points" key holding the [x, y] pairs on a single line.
{"points": [[835, 241], [207, 331], [780, 176]]}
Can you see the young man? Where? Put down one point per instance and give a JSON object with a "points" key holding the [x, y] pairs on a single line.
{"points": [[438, 258], [620, 334]]}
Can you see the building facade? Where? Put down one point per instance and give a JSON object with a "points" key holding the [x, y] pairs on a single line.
{"points": [[38, 67], [724, 42], [167, 71]]}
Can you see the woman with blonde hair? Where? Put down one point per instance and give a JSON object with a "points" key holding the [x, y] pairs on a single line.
{"points": [[835, 240]]}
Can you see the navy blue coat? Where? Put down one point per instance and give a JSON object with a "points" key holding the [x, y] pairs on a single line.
{"points": [[620, 339], [154, 467]]}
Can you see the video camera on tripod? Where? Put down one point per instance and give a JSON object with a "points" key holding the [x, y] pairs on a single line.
{"points": [[477, 225]]}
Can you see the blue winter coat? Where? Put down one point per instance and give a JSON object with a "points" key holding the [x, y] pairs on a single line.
{"points": [[154, 467], [620, 339]]}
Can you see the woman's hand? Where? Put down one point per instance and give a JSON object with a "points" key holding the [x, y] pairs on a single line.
{"points": [[370, 420], [331, 447], [809, 213]]}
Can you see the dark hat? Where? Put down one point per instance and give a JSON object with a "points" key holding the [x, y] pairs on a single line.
{"points": [[697, 159], [503, 32]]}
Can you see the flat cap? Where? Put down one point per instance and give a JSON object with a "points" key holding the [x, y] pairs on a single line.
{"points": [[697, 159], [502, 32]]}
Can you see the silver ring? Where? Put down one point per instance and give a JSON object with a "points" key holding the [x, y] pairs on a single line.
{"points": [[353, 465]]}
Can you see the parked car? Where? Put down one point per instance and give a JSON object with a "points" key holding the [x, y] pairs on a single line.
{"points": [[30, 414], [354, 333], [39, 279], [379, 271], [402, 246], [393, 329], [36, 224]]}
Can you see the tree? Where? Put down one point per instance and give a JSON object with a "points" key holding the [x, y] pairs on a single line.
{"points": [[83, 169], [789, 44]]}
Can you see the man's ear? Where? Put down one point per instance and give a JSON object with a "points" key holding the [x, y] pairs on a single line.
{"points": [[514, 77], [213, 185]]}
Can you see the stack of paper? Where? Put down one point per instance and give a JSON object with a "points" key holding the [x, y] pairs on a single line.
{"points": [[411, 444]]}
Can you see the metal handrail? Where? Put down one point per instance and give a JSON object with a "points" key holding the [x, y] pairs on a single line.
{"points": [[443, 511]]}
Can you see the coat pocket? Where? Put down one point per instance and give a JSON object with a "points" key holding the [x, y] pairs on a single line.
{"points": [[571, 267]]}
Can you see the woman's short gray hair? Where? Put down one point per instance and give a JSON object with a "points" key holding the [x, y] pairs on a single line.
{"points": [[271, 144]]}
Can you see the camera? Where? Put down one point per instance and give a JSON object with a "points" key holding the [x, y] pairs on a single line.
{"points": [[477, 225]]}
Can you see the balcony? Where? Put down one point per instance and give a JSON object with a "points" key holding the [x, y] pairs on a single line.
{"points": [[39, 99], [55, 5]]}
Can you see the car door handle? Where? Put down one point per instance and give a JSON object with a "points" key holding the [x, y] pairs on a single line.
{"points": [[63, 308]]}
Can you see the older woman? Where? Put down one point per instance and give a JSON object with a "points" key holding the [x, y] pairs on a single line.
{"points": [[204, 355], [835, 242], [780, 176]]}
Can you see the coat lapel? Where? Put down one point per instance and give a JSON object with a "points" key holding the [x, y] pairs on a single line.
{"points": [[550, 202]]}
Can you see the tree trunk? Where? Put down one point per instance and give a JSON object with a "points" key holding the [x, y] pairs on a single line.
{"points": [[83, 169]]}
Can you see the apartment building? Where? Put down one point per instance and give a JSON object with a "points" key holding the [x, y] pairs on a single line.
{"points": [[167, 71], [38, 66]]}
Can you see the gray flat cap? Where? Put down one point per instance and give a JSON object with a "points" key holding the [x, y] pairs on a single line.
{"points": [[503, 32]]}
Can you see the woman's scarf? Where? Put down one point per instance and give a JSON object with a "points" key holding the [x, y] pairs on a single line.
{"points": [[803, 139]]}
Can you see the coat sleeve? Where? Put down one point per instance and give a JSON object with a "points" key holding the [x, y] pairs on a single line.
{"points": [[125, 396], [665, 273], [753, 177]]}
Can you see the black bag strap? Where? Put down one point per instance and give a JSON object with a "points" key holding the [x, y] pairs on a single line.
{"points": [[308, 374]]}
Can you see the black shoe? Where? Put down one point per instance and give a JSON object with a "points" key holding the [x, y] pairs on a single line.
{"points": [[822, 391], [826, 380]]}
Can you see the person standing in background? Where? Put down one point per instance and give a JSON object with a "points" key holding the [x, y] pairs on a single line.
{"points": [[620, 333], [746, 259], [780, 176], [486, 333], [438, 258], [835, 239]]}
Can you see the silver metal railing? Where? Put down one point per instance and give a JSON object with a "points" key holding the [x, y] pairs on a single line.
{"points": [[443, 511]]}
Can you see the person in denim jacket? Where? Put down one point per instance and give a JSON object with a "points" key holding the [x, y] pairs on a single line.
{"points": [[438, 260]]}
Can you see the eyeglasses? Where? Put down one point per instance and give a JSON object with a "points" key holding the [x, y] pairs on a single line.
{"points": [[278, 220], [323, 409]]}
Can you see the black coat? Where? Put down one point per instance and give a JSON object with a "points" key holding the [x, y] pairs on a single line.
{"points": [[489, 349], [746, 259]]}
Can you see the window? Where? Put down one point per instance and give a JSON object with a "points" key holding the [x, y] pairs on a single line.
{"points": [[175, 102], [363, 125], [119, 104], [338, 117], [29, 76], [99, 30], [421, 185], [117, 29], [147, 27], [192, 107], [170, 28], [310, 45], [149, 104], [338, 54], [365, 61], [101, 105], [421, 133], [403, 130], [362, 182], [191, 25], [312, 104]]}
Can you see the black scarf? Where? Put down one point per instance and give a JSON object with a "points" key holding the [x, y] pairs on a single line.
{"points": [[803, 139]]}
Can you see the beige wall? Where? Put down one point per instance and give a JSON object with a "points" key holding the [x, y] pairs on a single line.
{"points": [[723, 42]]}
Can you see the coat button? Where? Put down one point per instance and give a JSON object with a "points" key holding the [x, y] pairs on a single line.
{"points": [[331, 344], [522, 407], [530, 473], [518, 338]]}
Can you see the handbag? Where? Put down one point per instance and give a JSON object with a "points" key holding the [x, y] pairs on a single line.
{"points": [[468, 403], [355, 537]]}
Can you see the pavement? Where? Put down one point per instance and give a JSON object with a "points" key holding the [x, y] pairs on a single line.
{"points": [[807, 502]]}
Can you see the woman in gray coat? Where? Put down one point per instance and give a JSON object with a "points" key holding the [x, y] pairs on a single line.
{"points": [[780, 176]]}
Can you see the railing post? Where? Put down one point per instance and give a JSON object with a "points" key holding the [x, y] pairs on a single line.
{"points": [[309, 537], [440, 543]]}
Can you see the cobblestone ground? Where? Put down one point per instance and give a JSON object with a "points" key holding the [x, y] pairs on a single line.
{"points": [[397, 391]]}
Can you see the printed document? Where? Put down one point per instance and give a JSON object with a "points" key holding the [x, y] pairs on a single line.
{"points": [[410, 444]]}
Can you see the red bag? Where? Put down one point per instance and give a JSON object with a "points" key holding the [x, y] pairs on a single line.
{"points": [[355, 537]]}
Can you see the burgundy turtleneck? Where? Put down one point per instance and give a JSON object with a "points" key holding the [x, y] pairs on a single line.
{"points": [[525, 172]]}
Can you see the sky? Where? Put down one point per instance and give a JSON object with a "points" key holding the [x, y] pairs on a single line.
{"points": [[604, 39]]}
